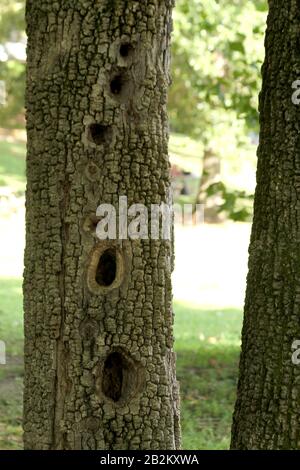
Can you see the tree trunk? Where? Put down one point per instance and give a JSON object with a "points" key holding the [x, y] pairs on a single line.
{"points": [[99, 365], [267, 412], [211, 175]]}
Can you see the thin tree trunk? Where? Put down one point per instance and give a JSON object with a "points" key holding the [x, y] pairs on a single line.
{"points": [[267, 412], [99, 365], [211, 175]]}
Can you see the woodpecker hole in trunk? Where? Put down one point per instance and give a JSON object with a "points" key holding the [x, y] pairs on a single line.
{"points": [[107, 268], [112, 381], [98, 133], [116, 85], [126, 50], [122, 377]]}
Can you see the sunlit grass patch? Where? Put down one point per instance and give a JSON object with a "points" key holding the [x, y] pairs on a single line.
{"points": [[207, 346], [12, 166]]}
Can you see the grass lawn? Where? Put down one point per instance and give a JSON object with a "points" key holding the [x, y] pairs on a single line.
{"points": [[12, 166], [11, 374], [207, 345]]}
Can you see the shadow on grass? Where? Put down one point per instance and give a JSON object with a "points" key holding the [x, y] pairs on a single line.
{"points": [[11, 374]]}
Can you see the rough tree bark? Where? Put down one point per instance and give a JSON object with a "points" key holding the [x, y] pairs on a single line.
{"points": [[267, 412], [99, 365]]}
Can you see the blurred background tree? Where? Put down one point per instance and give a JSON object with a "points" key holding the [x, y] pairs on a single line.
{"points": [[217, 55]]}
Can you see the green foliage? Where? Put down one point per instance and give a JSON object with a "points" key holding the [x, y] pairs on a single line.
{"points": [[218, 50], [11, 19], [12, 71], [217, 55], [237, 205]]}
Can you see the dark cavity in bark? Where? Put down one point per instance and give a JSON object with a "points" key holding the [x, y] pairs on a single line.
{"points": [[97, 133], [126, 50], [116, 85], [107, 268], [113, 376]]}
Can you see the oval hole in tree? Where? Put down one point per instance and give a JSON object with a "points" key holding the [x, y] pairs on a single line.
{"points": [[122, 377], [116, 85], [98, 133], [107, 268], [126, 49], [113, 375]]}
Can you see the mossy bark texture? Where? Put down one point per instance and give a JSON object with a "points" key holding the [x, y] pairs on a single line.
{"points": [[99, 364], [267, 412]]}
